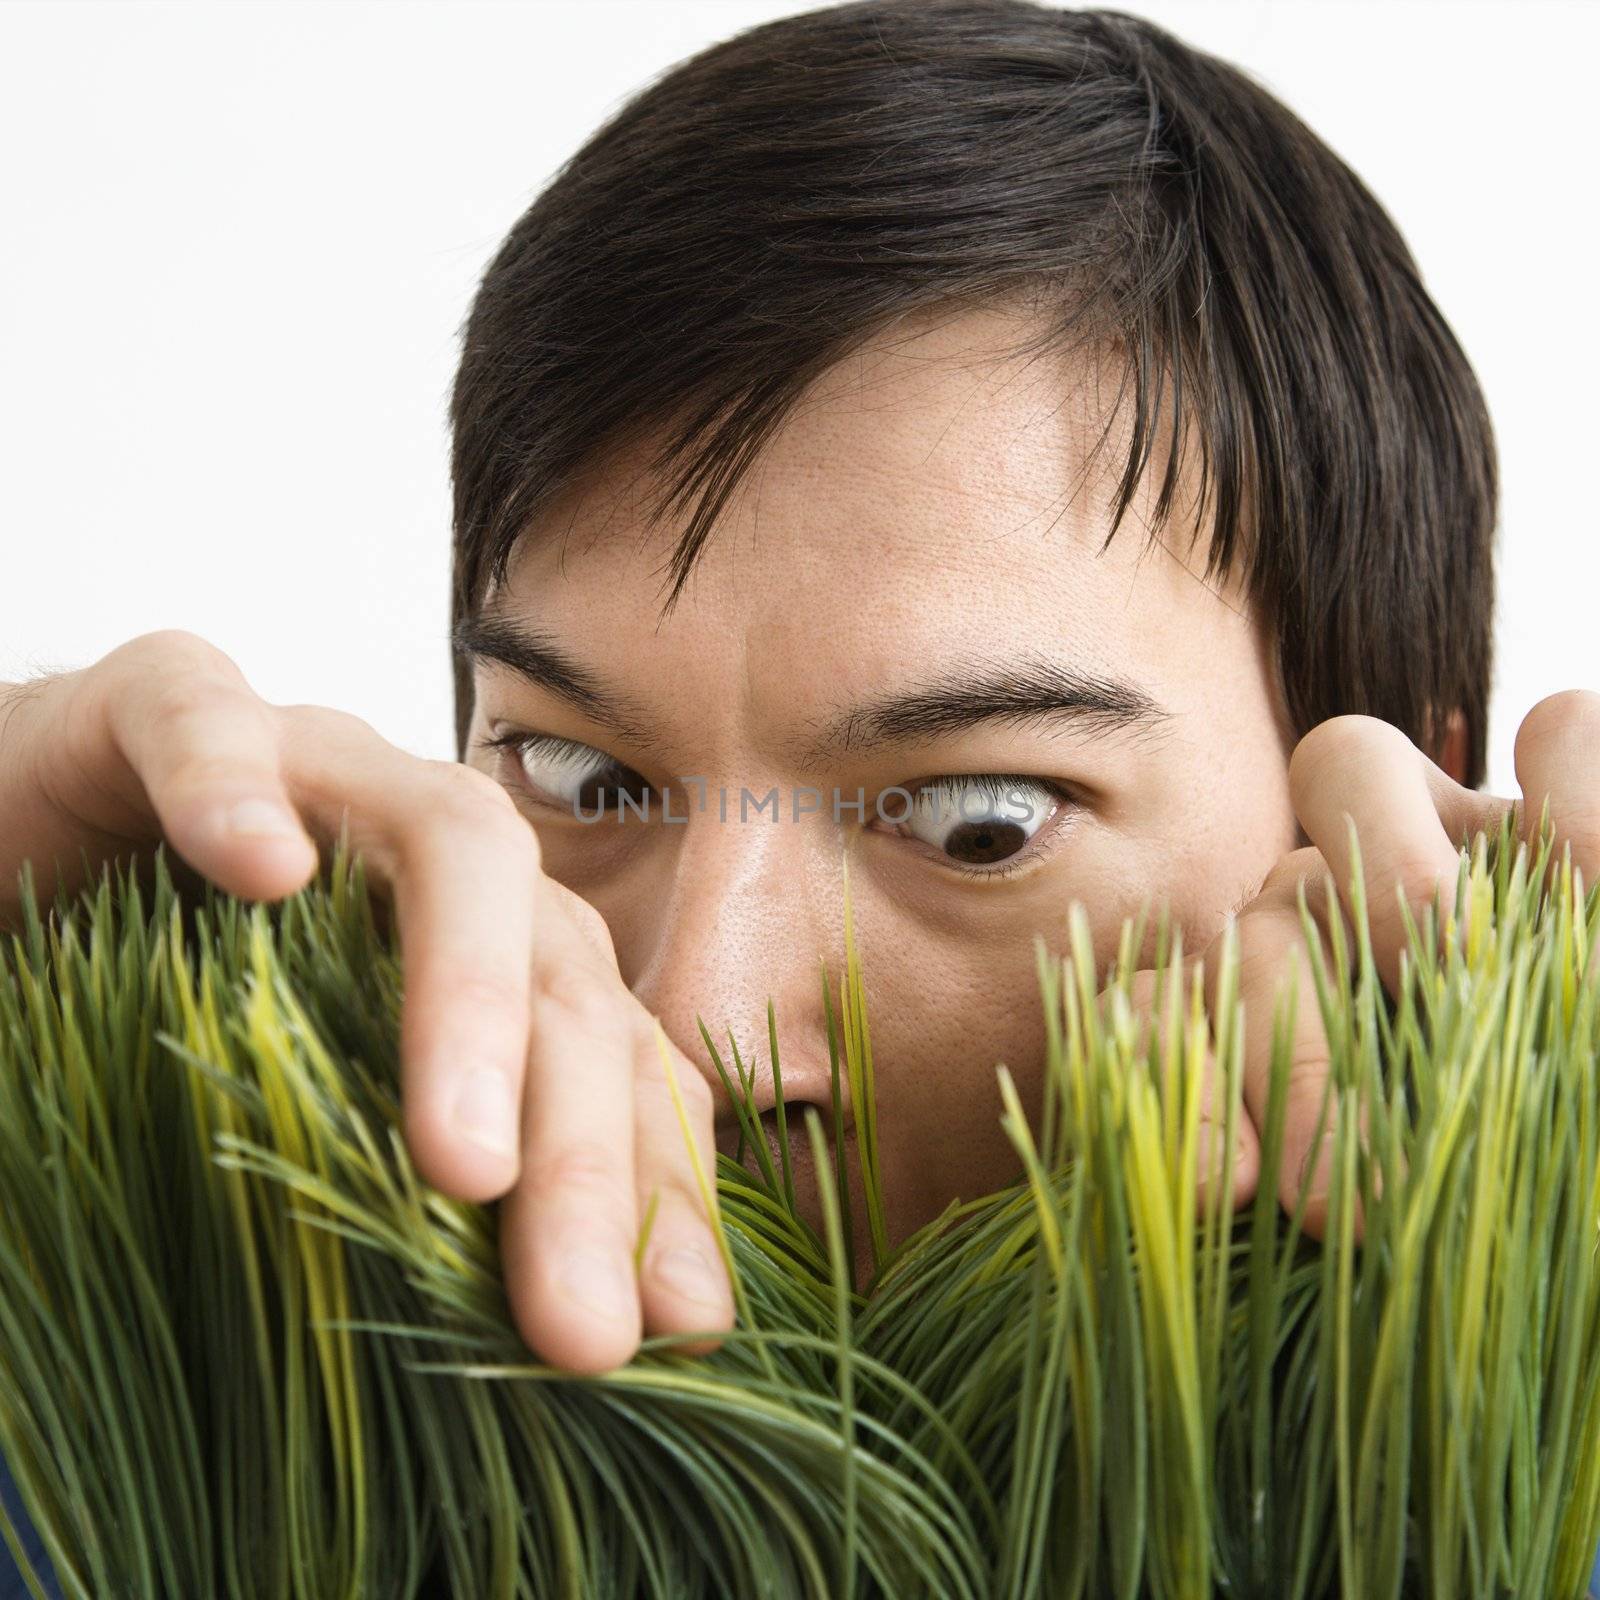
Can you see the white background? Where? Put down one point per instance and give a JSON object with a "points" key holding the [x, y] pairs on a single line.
{"points": [[237, 241]]}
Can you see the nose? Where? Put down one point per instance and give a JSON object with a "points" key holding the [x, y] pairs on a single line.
{"points": [[749, 913]]}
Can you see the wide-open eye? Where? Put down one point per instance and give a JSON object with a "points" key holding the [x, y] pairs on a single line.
{"points": [[979, 819], [576, 777]]}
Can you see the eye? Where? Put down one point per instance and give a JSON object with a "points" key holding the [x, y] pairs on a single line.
{"points": [[979, 821], [574, 777]]}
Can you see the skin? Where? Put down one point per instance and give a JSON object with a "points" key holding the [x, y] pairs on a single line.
{"points": [[928, 515]]}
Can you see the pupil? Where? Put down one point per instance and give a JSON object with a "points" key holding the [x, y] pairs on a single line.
{"points": [[980, 842], [599, 791]]}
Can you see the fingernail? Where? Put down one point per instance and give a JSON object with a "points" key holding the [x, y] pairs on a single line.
{"points": [[485, 1112], [597, 1284], [260, 819], [689, 1273]]}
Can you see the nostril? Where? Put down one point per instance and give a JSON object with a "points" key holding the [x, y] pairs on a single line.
{"points": [[794, 1107], [794, 1114]]}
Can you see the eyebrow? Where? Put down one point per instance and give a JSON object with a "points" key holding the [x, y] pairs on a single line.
{"points": [[1033, 690], [535, 657]]}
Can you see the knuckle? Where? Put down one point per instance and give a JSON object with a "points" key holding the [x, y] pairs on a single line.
{"points": [[327, 723], [1307, 865], [1567, 713], [1132, 1008], [584, 1166], [1305, 1175], [168, 647], [1336, 741], [1273, 916], [568, 1000], [1305, 1077], [178, 704], [470, 798], [482, 990], [1272, 959]]}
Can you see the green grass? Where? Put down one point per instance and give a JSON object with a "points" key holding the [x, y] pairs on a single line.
{"points": [[244, 1351]]}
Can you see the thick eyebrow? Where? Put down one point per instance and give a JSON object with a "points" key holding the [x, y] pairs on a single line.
{"points": [[1032, 690], [534, 656]]}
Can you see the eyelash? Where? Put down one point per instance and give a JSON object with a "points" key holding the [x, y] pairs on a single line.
{"points": [[523, 745], [526, 743], [997, 785]]}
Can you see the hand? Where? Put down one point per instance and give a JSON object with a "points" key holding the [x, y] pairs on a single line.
{"points": [[1410, 818], [529, 1071]]}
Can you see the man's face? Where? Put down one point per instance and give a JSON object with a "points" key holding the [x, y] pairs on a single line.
{"points": [[908, 588]]}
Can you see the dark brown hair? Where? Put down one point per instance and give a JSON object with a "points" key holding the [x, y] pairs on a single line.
{"points": [[764, 206]]}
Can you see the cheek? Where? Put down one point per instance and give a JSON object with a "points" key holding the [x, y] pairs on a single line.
{"points": [[1224, 844], [952, 1007], [943, 1015], [964, 990]]}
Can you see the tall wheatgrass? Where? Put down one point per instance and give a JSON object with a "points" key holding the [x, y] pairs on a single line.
{"points": [[245, 1351]]}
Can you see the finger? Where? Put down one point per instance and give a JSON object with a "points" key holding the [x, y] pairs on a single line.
{"points": [[569, 1226], [1275, 965], [590, 926], [462, 868], [204, 747], [466, 893], [1366, 771], [504, 992], [1557, 758], [1464, 812], [1152, 1002], [683, 1279]]}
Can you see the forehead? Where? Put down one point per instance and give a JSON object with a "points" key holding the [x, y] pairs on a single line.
{"points": [[934, 494]]}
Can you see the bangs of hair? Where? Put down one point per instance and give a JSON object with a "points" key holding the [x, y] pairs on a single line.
{"points": [[777, 200]]}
